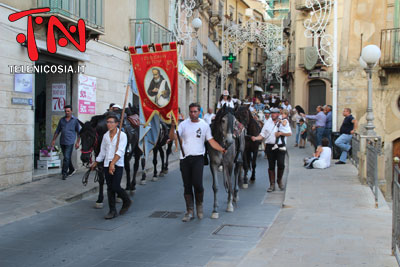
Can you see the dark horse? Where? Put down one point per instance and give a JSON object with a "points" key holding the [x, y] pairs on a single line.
{"points": [[245, 117], [92, 133], [162, 140], [223, 128]]}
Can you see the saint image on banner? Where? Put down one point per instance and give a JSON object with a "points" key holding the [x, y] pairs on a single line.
{"points": [[158, 86]]}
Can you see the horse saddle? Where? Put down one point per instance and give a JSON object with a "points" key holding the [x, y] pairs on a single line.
{"points": [[134, 120]]}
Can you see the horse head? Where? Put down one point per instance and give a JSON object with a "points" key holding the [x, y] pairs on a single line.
{"points": [[89, 141], [243, 115], [223, 126]]}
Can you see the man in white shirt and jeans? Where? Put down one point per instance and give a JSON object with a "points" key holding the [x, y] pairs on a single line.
{"points": [[113, 165], [193, 132], [269, 133]]}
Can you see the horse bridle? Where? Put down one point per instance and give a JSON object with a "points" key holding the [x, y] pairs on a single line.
{"points": [[91, 149]]}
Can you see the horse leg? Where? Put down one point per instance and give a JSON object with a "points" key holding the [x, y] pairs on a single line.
{"points": [[128, 171], [228, 180], [99, 202], [168, 153], [135, 170], [162, 156], [253, 166], [155, 153], [237, 177], [246, 165], [143, 163], [214, 170]]}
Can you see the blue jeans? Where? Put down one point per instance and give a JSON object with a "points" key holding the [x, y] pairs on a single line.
{"points": [[328, 134], [344, 143], [319, 133], [297, 133], [67, 163]]}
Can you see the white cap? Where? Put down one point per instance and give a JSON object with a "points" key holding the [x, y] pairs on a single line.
{"points": [[225, 92], [116, 106]]}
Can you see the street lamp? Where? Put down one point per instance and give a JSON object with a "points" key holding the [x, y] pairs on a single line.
{"points": [[369, 58], [196, 23]]}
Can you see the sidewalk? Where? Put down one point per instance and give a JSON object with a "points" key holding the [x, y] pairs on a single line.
{"points": [[328, 219], [29, 199]]}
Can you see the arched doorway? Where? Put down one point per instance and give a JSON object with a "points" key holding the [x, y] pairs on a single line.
{"points": [[316, 95]]}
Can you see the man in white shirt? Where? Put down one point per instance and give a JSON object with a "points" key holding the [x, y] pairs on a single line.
{"points": [[286, 105], [209, 116], [269, 133], [113, 165], [193, 133]]}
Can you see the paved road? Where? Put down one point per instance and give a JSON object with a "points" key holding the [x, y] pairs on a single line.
{"points": [[77, 234]]}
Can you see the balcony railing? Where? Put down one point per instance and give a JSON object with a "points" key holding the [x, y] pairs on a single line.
{"points": [[194, 56], [150, 31], [302, 4], [92, 11], [390, 47], [302, 58], [214, 53]]}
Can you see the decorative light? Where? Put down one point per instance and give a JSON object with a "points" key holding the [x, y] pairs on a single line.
{"points": [[371, 54], [196, 23], [363, 64]]}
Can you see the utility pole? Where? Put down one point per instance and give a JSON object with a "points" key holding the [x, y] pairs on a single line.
{"points": [[335, 67]]}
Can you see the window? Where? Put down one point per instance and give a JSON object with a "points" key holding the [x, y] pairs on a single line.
{"points": [[231, 11], [240, 18], [248, 58]]}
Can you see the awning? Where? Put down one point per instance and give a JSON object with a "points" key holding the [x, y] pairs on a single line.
{"points": [[258, 89]]}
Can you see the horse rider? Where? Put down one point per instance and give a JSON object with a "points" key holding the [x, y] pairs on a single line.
{"points": [[193, 132], [225, 99], [269, 133], [113, 165]]}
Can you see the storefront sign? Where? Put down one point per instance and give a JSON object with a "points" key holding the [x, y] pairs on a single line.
{"points": [[21, 101], [23, 83], [59, 96], [87, 94], [185, 72]]}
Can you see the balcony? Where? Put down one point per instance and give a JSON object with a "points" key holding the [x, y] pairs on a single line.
{"points": [[302, 58], [91, 11], [213, 53], [194, 56], [150, 31], [390, 47], [301, 5]]}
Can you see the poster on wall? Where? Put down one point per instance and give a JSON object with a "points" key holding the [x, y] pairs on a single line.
{"points": [[59, 96], [87, 94], [23, 82]]}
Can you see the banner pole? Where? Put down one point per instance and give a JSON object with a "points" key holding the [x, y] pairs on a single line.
{"points": [[122, 117]]}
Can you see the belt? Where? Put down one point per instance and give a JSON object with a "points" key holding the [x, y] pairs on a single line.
{"points": [[319, 126]]}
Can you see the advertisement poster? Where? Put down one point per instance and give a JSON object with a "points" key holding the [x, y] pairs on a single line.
{"points": [[54, 122], [59, 96], [87, 94]]}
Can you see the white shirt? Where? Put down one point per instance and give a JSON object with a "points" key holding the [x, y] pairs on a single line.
{"points": [[208, 117], [270, 128], [229, 104], [288, 107], [193, 136], [324, 160], [107, 149]]}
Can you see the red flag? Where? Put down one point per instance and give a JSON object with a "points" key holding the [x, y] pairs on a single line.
{"points": [[156, 77]]}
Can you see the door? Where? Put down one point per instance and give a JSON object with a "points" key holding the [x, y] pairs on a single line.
{"points": [[316, 95], [396, 153]]}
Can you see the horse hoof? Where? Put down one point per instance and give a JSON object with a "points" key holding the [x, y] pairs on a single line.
{"points": [[165, 171], [215, 215], [155, 179], [143, 182], [98, 205], [245, 186], [132, 192], [118, 200], [236, 199], [229, 208], [161, 174]]}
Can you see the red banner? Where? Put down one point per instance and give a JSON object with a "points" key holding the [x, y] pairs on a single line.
{"points": [[156, 75]]}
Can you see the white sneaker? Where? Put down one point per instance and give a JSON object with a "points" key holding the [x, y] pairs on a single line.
{"points": [[72, 173], [282, 148], [275, 147]]}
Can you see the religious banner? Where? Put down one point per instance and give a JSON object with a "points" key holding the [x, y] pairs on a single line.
{"points": [[87, 94], [156, 75]]}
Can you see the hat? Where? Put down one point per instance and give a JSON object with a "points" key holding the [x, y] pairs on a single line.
{"points": [[116, 106], [267, 111], [225, 92], [275, 110]]}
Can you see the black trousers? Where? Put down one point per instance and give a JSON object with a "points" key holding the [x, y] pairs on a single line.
{"points": [[192, 174], [275, 157]]}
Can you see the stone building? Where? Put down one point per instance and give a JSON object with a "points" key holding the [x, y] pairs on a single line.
{"points": [[360, 23]]}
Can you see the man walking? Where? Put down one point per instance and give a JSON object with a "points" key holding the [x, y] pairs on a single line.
{"points": [[193, 133], [349, 126], [113, 165], [328, 125], [68, 126], [320, 123], [275, 157]]}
